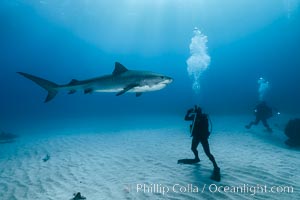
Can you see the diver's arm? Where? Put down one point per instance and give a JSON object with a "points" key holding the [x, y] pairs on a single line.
{"points": [[188, 116]]}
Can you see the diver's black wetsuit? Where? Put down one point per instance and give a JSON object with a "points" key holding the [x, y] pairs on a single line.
{"points": [[200, 133], [262, 113]]}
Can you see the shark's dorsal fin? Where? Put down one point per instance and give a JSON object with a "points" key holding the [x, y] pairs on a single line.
{"points": [[119, 69], [73, 81]]}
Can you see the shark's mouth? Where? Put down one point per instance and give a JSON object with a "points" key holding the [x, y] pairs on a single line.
{"points": [[166, 82], [148, 88]]}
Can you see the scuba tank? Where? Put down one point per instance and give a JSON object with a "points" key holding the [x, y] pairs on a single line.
{"points": [[203, 127], [193, 124]]}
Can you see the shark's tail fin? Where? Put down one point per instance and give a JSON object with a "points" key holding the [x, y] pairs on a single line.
{"points": [[47, 85]]}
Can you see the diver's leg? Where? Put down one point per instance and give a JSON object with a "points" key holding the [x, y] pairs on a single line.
{"points": [[265, 123], [256, 121], [195, 143], [253, 123], [216, 175], [206, 149]]}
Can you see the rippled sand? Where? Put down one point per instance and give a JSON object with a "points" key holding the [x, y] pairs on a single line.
{"points": [[112, 163]]}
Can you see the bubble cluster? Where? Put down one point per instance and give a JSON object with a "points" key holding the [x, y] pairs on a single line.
{"points": [[263, 87], [199, 59]]}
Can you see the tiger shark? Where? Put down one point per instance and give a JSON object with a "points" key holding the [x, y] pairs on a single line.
{"points": [[120, 81]]}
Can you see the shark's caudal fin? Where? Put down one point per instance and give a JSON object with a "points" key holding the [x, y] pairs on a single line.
{"points": [[47, 85]]}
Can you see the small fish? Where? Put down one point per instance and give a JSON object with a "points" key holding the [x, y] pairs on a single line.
{"points": [[46, 158]]}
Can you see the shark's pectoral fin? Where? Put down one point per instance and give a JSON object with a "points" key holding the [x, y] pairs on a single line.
{"points": [[129, 87], [71, 91], [88, 91], [138, 94]]}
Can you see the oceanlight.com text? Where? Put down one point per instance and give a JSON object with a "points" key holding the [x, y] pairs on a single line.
{"points": [[211, 188], [249, 189]]}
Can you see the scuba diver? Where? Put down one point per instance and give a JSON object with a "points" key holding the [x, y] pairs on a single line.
{"points": [[200, 133], [262, 112], [292, 131]]}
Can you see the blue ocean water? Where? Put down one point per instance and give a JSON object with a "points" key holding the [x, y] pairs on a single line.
{"points": [[222, 55], [62, 39]]}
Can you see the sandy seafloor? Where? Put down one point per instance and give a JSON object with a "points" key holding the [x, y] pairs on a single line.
{"points": [[107, 159]]}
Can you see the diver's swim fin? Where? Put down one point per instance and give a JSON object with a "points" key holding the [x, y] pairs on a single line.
{"points": [[188, 161], [216, 175]]}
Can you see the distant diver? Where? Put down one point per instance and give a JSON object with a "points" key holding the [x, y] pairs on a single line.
{"points": [[262, 113], [292, 131], [121, 81], [200, 132]]}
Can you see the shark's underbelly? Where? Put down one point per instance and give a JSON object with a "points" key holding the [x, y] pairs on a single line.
{"points": [[145, 88]]}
